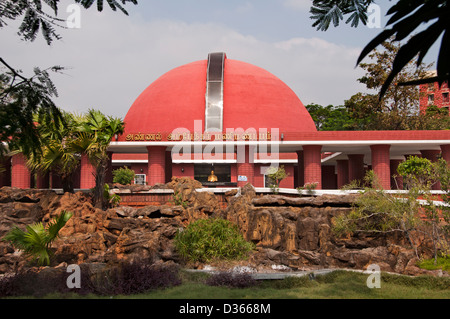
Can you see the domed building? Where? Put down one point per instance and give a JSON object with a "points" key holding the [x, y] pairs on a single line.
{"points": [[225, 123]]}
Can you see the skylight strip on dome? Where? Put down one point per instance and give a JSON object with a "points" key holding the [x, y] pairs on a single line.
{"points": [[214, 92]]}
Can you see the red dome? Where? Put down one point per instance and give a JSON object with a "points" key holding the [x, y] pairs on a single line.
{"points": [[252, 98]]}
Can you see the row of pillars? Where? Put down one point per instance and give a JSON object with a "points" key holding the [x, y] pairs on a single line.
{"points": [[352, 169], [310, 159], [21, 177]]}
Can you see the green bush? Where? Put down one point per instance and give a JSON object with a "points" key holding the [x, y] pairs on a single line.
{"points": [[212, 239], [123, 176]]}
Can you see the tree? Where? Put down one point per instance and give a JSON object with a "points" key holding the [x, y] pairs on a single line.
{"points": [[123, 176], [398, 109], [60, 153], [276, 175], [417, 213], [95, 132], [406, 18], [37, 239], [22, 96], [331, 118]]}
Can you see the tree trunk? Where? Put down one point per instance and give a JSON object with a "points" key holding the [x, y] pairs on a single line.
{"points": [[99, 197], [67, 184]]}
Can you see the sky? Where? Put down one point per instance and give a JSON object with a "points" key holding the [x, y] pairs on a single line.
{"points": [[111, 58]]}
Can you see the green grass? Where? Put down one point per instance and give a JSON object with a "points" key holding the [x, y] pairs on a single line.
{"points": [[442, 263], [335, 285]]}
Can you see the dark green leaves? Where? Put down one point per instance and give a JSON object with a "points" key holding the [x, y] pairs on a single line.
{"points": [[327, 11], [37, 18], [113, 4], [36, 240], [407, 17]]}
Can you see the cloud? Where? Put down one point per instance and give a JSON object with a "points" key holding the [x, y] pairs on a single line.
{"points": [[302, 5], [113, 58]]}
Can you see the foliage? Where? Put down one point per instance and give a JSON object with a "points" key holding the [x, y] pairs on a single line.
{"points": [[211, 239], [36, 18], [331, 118], [21, 97], [95, 132], [112, 200], [399, 107], [416, 171], [60, 152], [443, 262], [276, 175], [327, 11], [37, 239], [415, 214], [231, 280], [177, 199], [30, 282], [123, 176], [407, 18], [129, 278]]}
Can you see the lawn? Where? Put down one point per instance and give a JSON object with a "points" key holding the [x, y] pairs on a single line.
{"points": [[335, 285]]}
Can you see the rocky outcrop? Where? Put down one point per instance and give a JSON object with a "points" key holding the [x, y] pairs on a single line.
{"points": [[292, 231]]}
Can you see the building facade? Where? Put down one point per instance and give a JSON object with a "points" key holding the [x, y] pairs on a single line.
{"points": [[226, 123]]}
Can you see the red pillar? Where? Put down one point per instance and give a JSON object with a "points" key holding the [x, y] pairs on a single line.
{"points": [[5, 176], [313, 164], [342, 173], [445, 149], [301, 169], [87, 173], [245, 166], [356, 167], [42, 181], [381, 164], [396, 179], [20, 175], [433, 156], [156, 165]]}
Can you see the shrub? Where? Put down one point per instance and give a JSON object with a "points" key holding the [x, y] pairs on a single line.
{"points": [[212, 239], [231, 280], [32, 283], [131, 278], [123, 176]]}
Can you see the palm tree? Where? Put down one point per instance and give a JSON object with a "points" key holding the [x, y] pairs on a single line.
{"points": [[59, 153], [37, 239], [95, 134]]}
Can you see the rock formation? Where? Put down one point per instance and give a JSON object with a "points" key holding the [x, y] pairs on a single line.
{"points": [[291, 231]]}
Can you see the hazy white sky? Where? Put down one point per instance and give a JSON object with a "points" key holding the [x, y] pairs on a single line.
{"points": [[112, 58]]}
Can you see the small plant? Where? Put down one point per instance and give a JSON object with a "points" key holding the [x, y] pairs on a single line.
{"points": [[123, 176], [37, 239], [133, 278], [310, 187], [212, 239], [177, 200], [276, 175], [112, 200]]}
